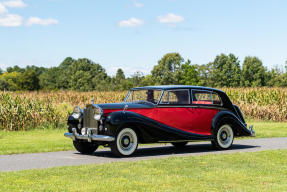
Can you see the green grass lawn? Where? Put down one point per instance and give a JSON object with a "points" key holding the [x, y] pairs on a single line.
{"points": [[44, 140], [256, 171], [269, 129], [34, 141]]}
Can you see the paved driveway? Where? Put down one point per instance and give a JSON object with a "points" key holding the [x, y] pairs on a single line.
{"points": [[66, 158]]}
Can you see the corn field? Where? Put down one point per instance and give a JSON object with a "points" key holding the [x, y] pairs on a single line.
{"points": [[260, 103], [27, 110]]}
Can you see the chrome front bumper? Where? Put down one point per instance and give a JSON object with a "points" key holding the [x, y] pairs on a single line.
{"points": [[89, 137], [252, 131]]}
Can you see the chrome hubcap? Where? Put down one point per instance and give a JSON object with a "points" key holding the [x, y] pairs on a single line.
{"points": [[127, 141], [225, 136]]}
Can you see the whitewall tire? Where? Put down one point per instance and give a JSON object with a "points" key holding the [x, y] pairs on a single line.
{"points": [[126, 143], [223, 137]]}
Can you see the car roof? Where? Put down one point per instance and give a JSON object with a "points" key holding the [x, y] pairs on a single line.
{"points": [[168, 87]]}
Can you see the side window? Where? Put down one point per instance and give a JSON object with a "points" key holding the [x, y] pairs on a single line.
{"points": [[175, 97], [205, 98], [216, 99]]}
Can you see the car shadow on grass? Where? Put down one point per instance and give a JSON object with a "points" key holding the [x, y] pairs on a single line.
{"points": [[195, 149]]}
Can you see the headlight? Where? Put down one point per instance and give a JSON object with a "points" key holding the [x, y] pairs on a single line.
{"points": [[98, 112], [97, 117], [83, 131], [77, 112], [76, 115]]}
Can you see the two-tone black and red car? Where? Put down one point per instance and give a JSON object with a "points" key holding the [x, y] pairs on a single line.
{"points": [[173, 114]]}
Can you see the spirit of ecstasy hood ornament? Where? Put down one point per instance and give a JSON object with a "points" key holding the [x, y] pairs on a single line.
{"points": [[125, 108]]}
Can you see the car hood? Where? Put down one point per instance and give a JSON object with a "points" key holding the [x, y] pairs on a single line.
{"points": [[123, 105]]}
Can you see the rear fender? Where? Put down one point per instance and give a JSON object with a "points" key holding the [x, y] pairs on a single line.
{"points": [[237, 125]]}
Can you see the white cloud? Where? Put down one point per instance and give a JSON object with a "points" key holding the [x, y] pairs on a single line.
{"points": [[3, 9], [170, 18], [14, 3], [11, 20], [132, 22], [39, 21], [139, 5]]}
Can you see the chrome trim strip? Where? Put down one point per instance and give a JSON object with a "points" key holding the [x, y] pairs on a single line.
{"points": [[161, 95], [88, 137], [127, 96], [193, 106]]}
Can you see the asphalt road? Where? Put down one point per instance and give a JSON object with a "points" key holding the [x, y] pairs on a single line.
{"points": [[67, 158]]}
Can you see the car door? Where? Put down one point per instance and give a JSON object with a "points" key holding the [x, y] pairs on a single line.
{"points": [[205, 105], [174, 109]]}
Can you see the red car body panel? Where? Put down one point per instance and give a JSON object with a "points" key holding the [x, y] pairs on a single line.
{"points": [[194, 120]]}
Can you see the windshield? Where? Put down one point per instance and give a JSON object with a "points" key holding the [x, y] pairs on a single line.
{"points": [[143, 95]]}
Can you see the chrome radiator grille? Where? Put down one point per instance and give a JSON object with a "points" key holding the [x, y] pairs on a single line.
{"points": [[89, 121]]}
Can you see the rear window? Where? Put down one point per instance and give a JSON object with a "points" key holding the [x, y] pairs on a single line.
{"points": [[175, 97], [205, 98]]}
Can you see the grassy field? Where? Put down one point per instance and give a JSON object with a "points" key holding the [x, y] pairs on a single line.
{"points": [[44, 140], [257, 171], [34, 141], [265, 129]]}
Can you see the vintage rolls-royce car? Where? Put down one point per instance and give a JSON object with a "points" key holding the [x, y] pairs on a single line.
{"points": [[173, 114]]}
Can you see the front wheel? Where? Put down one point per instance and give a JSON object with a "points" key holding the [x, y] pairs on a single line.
{"points": [[85, 147], [125, 144], [223, 137]]}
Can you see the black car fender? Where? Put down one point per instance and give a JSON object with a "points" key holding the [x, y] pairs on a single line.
{"points": [[73, 123], [229, 117]]}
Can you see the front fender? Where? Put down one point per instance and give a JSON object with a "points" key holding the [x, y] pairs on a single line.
{"points": [[238, 126], [72, 123]]}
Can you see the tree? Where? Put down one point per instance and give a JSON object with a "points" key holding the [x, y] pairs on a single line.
{"points": [[16, 68], [119, 81], [85, 75], [136, 79], [225, 71], [148, 80], [189, 74], [204, 72], [4, 85], [50, 79], [66, 63], [29, 80], [253, 72], [81, 74], [1, 71], [38, 70], [11, 79], [167, 71], [120, 75]]}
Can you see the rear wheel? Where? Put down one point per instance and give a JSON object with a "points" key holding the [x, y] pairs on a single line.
{"points": [[223, 137], [179, 145], [85, 147], [125, 143]]}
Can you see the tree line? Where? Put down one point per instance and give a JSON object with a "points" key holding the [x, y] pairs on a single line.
{"points": [[85, 75]]}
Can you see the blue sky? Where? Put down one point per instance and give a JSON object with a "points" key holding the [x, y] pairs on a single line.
{"points": [[134, 35]]}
